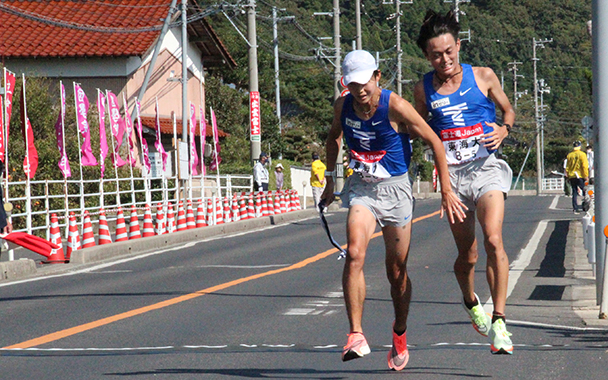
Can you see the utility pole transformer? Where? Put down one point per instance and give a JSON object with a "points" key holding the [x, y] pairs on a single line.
{"points": [[516, 95]]}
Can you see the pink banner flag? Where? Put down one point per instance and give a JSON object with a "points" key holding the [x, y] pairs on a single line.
{"points": [[64, 163], [202, 124], [144, 143], [134, 160], [117, 127], [215, 157], [82, 107], [193, 153], [2, 146], [30, 163], [103, 142], [9, 86], [158, 143]]}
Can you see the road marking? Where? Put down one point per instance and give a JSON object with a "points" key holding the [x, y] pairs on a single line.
{"points": [[553, 205], [173, 301]]}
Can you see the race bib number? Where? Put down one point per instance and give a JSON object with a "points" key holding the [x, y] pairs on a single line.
{"points": [[463, 144], [368, 165]]}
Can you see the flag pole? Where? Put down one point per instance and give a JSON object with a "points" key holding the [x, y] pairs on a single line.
{"points": [[128, 137], [81, 183], [5, 129], [64, 153], [145, 170], [28, 204], [175, 149], [100, 120], [217, 164]]}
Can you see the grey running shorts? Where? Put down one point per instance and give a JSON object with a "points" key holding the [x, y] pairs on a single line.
{"points": [[473, 179], [390, 200]]}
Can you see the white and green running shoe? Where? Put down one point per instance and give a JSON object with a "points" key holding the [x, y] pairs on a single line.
{"points": [[482, 322], [500, 341]]}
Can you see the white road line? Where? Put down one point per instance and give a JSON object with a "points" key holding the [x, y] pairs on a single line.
{"points": [[553, 205]]}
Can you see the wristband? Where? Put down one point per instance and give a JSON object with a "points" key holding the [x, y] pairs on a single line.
{"points": [[508, 126]]}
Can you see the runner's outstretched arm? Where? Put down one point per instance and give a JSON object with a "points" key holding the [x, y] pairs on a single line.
{"points": [[408, 119]]}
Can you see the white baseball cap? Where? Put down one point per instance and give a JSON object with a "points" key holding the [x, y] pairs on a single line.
{"points": [[358, 67]]}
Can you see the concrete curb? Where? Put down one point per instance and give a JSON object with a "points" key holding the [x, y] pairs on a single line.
{"points": [[11, 270]]}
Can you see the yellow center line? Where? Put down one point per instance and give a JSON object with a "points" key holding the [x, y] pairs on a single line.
{"points": [[173, 301]]}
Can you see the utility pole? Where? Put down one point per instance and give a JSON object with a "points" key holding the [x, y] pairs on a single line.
{"points": [[516, 95], [184, 81], [535, 44], [357, 23], [458, 12], [397, 17], [253, 73], [275, 42]]}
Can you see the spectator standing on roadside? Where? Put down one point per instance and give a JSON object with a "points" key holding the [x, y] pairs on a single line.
{"points": [[260, 173], [577, 171], [317, 178], [278, 174]]}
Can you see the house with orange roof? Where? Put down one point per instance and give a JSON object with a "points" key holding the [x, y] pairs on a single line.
{"points": [[109, 45]]}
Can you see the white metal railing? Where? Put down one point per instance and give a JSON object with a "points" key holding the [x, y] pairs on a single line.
{"points": [[35, 201], [553, 183]]}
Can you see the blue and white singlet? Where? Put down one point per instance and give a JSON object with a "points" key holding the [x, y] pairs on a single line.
{"points": [[459, 119], [377, 151]]}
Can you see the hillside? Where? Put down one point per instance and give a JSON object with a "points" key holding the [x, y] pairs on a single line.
{"points": [[501, 32]]}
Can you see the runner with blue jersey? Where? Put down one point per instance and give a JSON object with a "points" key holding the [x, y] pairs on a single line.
{"points": [[377, 125], [461, 101]]}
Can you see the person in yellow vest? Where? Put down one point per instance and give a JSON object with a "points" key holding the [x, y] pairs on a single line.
{"points": [[317, 179], [577, 171]]}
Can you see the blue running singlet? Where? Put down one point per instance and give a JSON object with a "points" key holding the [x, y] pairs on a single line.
{"points": [[377, 151], [459, 119]]}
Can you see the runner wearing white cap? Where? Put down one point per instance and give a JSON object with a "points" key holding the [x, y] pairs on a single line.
{"points": [[377, 125]]}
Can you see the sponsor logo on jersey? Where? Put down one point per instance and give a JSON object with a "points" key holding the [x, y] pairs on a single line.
{"points": [[440, 103], [368, 157], [453, 134], [353, 123]]}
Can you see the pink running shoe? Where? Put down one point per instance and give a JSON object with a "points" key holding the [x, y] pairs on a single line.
{"points": [[356, 347], [398, 355]]}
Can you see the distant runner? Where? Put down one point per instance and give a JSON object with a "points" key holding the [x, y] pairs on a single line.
{"points": [[377, 125], [461, 100]]}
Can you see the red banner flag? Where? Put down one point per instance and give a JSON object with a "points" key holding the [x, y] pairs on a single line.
{"points": [[193, 153], [64, 163], [202, 124], [9, 86], [158, 144], [215, 156], [30, 163], [144, 143], [82, 107], [117, 127], [103, 143]]}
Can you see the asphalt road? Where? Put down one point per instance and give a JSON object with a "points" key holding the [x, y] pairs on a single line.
{"points": [[268, 304]]}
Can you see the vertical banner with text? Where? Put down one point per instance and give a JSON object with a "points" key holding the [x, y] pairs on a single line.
{"points": [[254, 116]]}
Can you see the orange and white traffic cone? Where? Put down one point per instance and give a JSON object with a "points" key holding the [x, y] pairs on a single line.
{"points": [[73, 237], [219, 214], [243, 208], [277, 203], [55, 232], [148, 226], [57, 256], [200, 215], [227, 217], [264, 206], [121, 227], [298, 206], [235, 209], [250, 207], [283, 207], [292, 201], [134, 232], [160, 228], [88, 237], [104, 230], [270, 205], [190, 222], [181, 217], [209, 213], [258, 206], [170, 219]]}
